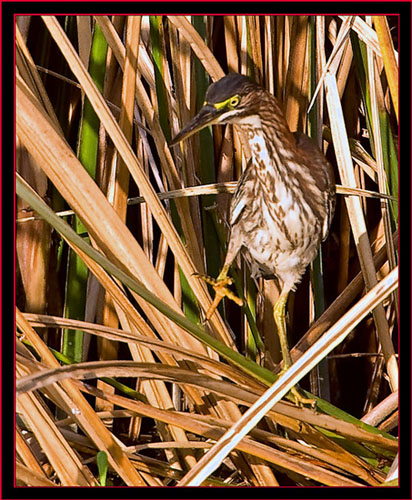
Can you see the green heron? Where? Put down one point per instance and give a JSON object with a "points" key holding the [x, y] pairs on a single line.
{"points": [[284, 201]]}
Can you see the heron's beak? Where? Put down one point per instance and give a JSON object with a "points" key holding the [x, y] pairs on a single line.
{"points": [[208, 115]]}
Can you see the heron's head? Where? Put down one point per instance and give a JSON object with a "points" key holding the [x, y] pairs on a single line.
{"points": [[227, 101]]}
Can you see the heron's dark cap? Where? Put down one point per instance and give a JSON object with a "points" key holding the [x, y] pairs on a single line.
{"points": [[229, 85]]}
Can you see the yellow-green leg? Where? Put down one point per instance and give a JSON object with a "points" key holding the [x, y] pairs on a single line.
{"points": [[220, 285], [279, 313]]}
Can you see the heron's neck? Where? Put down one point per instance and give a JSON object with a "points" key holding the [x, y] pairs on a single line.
{"points": [[272, 148]]}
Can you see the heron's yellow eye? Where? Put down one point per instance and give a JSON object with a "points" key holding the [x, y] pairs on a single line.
{"points": [[230, 103], [234, 101]]}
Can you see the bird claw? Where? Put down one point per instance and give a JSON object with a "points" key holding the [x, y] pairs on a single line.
{"points": [[220, 285], [215, 282], [298, 398]]}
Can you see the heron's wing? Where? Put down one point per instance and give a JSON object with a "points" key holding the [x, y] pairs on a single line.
{"points": [[323, 173], [241, 197]]}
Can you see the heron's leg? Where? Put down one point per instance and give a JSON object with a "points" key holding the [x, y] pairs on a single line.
{"points": [[279, 313], [220, 285]]}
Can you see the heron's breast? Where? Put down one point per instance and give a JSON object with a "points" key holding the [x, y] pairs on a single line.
{"points": [[276, 235]]}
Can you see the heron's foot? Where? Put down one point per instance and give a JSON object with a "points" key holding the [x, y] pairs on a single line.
{"points": [[220, 286], [298, 396], [300, 399]]}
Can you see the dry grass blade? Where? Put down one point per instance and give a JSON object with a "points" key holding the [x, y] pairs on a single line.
{"points": [[230, 187], [350, 191], [335, 57], [297, 77], [382, 410], [368, 35], [24, 60], [389, 58], [121, 187], [30, 478], [26, 455]]}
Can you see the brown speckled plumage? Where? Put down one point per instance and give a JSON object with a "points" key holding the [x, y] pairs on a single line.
{"points": [[285, 199]]}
